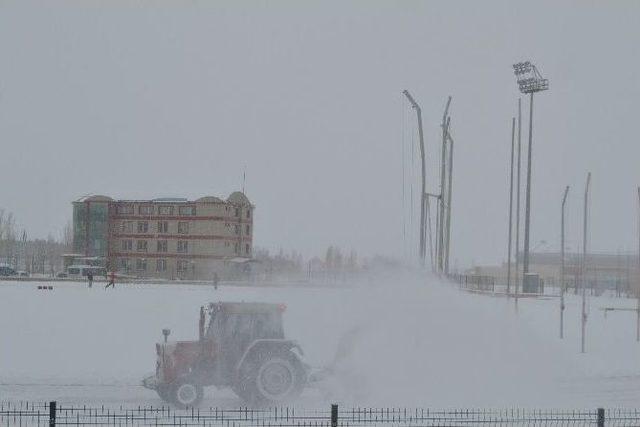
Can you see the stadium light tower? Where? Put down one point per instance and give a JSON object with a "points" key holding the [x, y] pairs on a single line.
{"points": [[529, 81]]}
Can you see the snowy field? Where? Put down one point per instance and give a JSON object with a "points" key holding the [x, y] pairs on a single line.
{"points": [[423, 344]]}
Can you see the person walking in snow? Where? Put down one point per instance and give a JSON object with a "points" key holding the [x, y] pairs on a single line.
{"points": [[216, 279], [112, 280], [90, 278]]}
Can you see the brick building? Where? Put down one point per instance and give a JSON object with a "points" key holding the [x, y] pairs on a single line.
{"points": [[165, 238]]}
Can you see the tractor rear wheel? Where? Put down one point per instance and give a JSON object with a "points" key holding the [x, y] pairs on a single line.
{"points": [[186, 394], [277, 378]]}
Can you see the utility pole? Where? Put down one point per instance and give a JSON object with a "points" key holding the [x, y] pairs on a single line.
{"points": [[445, 131], [513, 126], [529, 81], [584, 260], [519, 186], [423, 204], [449, 191], [638, 288], [562, 285]]}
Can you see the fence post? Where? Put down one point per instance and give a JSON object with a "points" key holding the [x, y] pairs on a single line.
{"points": [[600, 417], [334, 415], [52, 414]]}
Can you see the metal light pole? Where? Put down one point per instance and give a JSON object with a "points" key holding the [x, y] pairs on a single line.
{"points": [[423, 194], [529, 81], [513, 126], [519, 186], [562, 286], [449, 191], [440, 237], [584, 260], [638, 288]]}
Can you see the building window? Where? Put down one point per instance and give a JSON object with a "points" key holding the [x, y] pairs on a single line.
{"points": [[162, 246], [187, 210], [123, 264], [163, 227], [183, 265], [143, 227], [237, 212], [141, 246], [127, 227], [236, 248], [125, 209], [165, 210], [247, 249], [183, 228], [161, 265], [183, 246], [126, 245], [247, 229], [141, 264], [248, 213], [226, 244], [145, 209], [236, 229]]}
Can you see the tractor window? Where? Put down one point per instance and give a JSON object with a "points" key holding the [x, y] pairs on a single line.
{"points": [[267, 325]]}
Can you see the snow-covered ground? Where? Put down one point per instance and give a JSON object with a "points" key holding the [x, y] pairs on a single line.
{"points": [[416, 343]]}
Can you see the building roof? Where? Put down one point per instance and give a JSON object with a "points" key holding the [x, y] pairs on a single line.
{"points": [[94, 198], [209, 199], [238, 198]]}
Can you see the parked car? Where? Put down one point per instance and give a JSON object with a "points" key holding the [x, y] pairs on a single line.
{"points": [[5, 271], [61, 275], [22, 274]]}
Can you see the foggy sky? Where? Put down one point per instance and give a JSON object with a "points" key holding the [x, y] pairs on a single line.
{"points": [[142, 99]]}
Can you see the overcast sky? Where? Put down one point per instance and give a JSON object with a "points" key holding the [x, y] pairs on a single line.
{"points": [[142, 99]]}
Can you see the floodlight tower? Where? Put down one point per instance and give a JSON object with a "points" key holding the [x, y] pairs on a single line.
{"points": [[529, 81]]}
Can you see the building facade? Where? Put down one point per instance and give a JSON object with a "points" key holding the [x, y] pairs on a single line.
{"points": [[602, 271], [165, 238]]}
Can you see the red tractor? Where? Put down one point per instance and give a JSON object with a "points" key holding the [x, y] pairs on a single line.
{"points": [[241, 346]]}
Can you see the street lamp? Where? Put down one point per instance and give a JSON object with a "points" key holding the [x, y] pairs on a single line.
{"points": [[529, 81]]}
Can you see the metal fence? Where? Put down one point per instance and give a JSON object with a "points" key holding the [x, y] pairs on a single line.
{"points": [[52, 414], [474, 282]]}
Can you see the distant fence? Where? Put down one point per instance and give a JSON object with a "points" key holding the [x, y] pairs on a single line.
{"points": [[52, 414], [474, 282]]}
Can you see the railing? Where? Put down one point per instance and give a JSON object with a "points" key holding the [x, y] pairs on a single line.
{"points": [[474, 282], [52, 414]]}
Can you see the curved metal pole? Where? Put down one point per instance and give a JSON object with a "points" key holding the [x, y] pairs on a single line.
{"points": [[422, 244]]}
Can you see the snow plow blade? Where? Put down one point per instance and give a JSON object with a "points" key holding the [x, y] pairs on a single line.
{"points": [[150, 382]]}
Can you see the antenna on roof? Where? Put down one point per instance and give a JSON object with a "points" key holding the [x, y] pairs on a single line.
{"points": [[244, 177]]}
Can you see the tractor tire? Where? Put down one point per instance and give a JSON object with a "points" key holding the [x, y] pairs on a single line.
{"points": [[186, 394], [275, 379]]}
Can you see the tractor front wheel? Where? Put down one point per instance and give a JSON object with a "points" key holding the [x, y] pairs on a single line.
{"points": [[186, 394]]}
